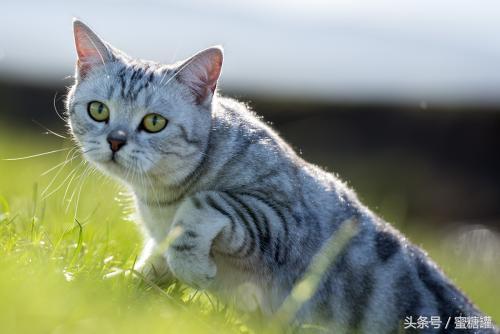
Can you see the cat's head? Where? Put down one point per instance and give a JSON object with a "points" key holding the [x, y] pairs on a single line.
{"points": [[133, 117]]}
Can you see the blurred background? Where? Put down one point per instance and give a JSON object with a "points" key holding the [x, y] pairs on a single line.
{"points": [[400, 99]]}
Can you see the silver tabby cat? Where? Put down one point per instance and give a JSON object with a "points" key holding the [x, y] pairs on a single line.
{"points": [[239, 206]]}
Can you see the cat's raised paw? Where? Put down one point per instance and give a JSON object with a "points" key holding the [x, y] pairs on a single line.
{"points": [[191, 269]]}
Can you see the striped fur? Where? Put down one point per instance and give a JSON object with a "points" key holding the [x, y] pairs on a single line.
{"points": [[241, 208]]}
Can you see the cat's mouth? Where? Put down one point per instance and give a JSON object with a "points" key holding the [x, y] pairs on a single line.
{"points": [[115, 160], [120, 161]]}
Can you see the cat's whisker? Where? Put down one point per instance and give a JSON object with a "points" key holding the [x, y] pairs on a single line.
{"points": [[60, 185], [49, 131], [71, 181], [37, 155], [148, 178], [147, 182], [134, 175], [71, 175], [139, 178], [54, 103], [81, 177], [142, 179], [73, 157], [88, 170], [175, 74], [61, 168], [129, 168], [149, 159]]}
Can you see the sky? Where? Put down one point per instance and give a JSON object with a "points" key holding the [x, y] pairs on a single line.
{"points": [[362, 50]]}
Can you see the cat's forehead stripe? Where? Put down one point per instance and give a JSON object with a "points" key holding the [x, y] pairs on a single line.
{"points": [[134, 77]]}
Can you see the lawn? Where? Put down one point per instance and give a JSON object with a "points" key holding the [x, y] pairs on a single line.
{"points": [[64, 250]]}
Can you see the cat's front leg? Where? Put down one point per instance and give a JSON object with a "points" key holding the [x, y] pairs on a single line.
{"points": [[152, 264], [194, 228]]}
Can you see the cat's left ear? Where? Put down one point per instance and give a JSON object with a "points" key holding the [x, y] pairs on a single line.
{"points": [[91, 50], [201, 72]]}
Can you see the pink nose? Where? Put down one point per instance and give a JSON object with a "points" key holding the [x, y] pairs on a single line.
{"points": [[115, 144], [117, 139]]}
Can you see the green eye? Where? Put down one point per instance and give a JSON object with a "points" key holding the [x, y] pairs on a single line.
{"points": [[98, 111], [154, 123]]}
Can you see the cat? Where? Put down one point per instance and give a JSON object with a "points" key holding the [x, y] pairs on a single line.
{"points": [[238, 206]]}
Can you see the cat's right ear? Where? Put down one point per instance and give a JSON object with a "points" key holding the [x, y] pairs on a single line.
{"points": [[91, 49], [201, 72]]}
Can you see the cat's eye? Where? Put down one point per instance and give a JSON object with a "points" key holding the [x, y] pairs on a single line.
{"points": [[153, 123], [98, 111]]}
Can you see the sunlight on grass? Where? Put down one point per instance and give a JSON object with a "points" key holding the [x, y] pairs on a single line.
{"points": [[54, 267], [61, 269]]}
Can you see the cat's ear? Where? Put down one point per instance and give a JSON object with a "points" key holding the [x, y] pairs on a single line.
{"points": [[201, 72], [91, 50]]}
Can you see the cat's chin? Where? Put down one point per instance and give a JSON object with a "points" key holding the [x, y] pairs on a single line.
{"points": [[118, 166], [120, 170], [111, 167], [109, 161]]}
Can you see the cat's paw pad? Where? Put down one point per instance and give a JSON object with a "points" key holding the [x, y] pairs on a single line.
{"points": [[190, 269]]}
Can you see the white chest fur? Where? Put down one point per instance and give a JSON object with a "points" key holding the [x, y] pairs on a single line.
{"points": [[157, 219]]}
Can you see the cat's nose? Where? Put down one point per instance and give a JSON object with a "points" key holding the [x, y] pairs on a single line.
{"points": [[116, 139]]}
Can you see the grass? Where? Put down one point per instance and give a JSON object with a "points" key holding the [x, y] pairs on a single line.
{"points": [[61, 262], [62, 275]]}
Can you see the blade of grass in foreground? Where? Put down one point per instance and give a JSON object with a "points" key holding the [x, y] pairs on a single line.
{"points": [[308, 285]]}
